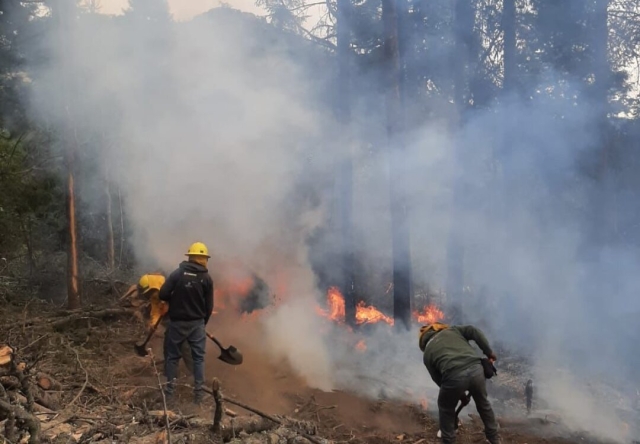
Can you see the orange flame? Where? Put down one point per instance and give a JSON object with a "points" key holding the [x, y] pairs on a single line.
{"points": [[370, 315], [361, 345], [227, 292], [429, 315], [335, 303]]}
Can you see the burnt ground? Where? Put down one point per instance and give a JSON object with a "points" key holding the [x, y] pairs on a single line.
{"points": [[108, 393]]}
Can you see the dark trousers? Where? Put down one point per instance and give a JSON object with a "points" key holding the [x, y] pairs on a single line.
{"points": [[186, 354], [177, 333], [452, 389]]}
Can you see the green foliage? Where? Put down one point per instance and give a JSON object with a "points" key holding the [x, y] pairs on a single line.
{"points": [[31, 202]]}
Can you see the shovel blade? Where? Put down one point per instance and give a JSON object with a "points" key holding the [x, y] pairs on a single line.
{"points": [[231, 356], [141, 350]]}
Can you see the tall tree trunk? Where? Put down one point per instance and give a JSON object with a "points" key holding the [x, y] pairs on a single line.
{"points": [[122, 234], [602, 73], [64, 12], [73, 280], [509, 36], [399, 210], [463, 30], [343, 105], [27, 233], [111, 254]]}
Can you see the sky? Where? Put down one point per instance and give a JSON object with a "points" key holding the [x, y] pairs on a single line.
{"points": [[185, 9]]}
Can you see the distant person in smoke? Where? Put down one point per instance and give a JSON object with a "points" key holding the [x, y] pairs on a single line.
{"points": [[189, 293], [456, 368]]}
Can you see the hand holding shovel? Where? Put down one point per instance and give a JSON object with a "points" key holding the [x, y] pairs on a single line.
{"points": [[141, 350]]}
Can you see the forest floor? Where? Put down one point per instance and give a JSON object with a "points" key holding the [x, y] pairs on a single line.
{"points": [[101, 391]]}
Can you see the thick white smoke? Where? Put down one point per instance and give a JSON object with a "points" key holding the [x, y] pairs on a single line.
{"points": [[218, 132]]}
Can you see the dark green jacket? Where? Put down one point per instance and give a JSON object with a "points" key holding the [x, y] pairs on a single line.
{"points": [[447, 352]]}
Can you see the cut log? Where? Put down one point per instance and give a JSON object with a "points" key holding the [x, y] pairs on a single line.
{"points": [[6, 354], [38, 408], [46, 382], [9, 383]]}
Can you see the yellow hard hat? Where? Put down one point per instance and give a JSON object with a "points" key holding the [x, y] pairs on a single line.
{"points": [[436, 326], [144, 283], [198, 249], [151, 282]]}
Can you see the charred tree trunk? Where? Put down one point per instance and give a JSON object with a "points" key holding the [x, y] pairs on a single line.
{"points": [[463, 30], [111, 254], [63, 10], [343, 107], [509, 36], [395, 130]]}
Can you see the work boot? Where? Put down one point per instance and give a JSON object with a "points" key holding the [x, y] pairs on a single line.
{"points": [[197, 398]]}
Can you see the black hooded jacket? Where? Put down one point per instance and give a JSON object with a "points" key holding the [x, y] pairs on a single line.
{"points": [[189, 292]]}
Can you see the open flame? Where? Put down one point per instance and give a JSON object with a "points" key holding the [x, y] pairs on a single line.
{"points": [[335, 303], [368, 314], [429, 315]]}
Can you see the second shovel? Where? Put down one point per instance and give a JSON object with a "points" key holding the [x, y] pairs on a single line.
{"points": [[230, 355]]}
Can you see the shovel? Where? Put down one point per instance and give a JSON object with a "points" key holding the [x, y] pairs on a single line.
{"points": [[230, 355], [141, 350]]}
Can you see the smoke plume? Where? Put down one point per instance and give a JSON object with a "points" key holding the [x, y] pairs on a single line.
{"points": [[218, 130]]}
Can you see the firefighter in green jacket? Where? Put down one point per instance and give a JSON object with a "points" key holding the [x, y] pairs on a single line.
{"points": [[456, 368]]}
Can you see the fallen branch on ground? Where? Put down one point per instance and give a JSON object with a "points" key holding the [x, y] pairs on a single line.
{"points": [[31, 422], [291, 424], [55, 322], [231, 428], [86, 377]]}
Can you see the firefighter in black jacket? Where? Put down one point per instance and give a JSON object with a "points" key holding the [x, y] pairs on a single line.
{"points": [[189, 293]]}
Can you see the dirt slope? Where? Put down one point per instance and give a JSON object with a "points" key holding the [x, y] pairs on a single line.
{"points": [[103, 378]]}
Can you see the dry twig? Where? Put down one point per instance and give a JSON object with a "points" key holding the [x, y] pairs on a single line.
{"points": [[86, 378], [164, 398]]}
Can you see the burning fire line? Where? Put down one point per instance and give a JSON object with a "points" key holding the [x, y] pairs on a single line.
{"points": [[368, 314]]}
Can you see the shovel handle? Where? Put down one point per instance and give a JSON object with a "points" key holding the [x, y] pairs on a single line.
{"points": [[210, 336], [153, 330]]}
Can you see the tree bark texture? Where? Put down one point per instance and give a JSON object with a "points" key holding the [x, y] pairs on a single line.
{"points": [[395, 129], [63, 10], [343, 108], [111, 254], [509, 36], [602, 72], [463, 30]]}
